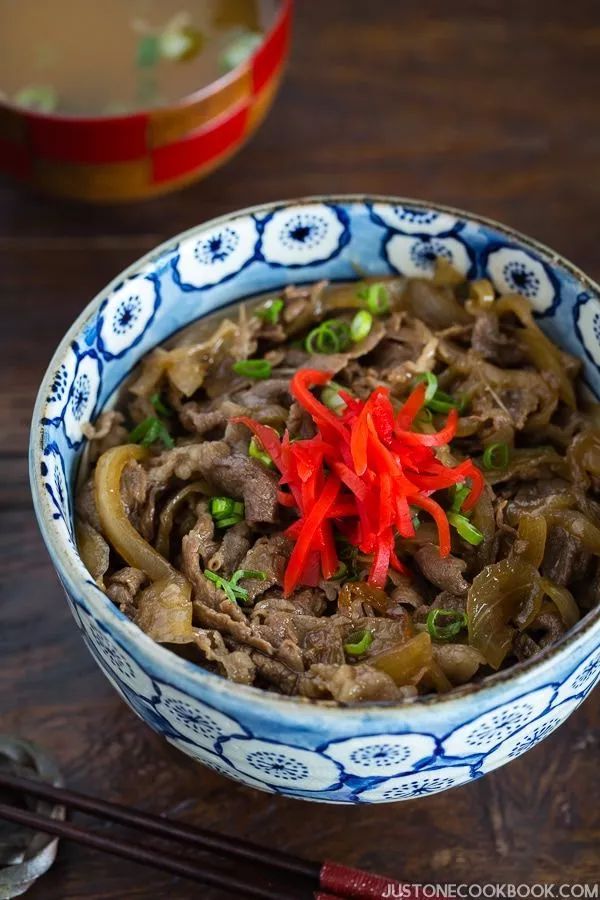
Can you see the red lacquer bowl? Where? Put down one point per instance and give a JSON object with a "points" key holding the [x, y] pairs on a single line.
{"points": [[133, 156]]}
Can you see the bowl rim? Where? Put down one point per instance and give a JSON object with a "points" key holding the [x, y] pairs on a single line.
{"points": [[185, 672], [283, 12]]}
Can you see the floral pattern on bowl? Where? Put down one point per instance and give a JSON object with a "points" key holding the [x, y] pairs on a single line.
{"points": [[369, 754], [514, 271], [126, 315], [306, 236], [217, 255]]}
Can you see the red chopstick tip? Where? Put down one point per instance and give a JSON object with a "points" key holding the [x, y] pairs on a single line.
{"points": [[355, 884]]}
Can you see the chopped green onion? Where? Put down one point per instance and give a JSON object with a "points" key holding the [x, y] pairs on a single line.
{"points": [[341, 329], [460, 492], [159, 406], [226, 511], [231, 587], [248, 573], [361, 325], [465, 529], [221, 506], [39, 97], [358, 642], [339, 573], [496, 456], [180, 44], [253, 368], [149, 431], [221, 583], [255, 451], [270, 311], [230, 520], [331, 336], [432, 384], [416, 522], [240, 49], [377, 298], [148, 51], [455, 621], [321, 340], [443, 402], [330, 397], [347, 551]]}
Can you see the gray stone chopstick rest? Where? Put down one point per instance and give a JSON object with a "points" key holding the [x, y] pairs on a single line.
{"points": [[26, 854]]}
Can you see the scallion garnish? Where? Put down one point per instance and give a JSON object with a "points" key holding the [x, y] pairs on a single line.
{"points": [[226, 511], [159, 406], [440, 630], [496, 456], [376, 297], [443, 403], [255, 451], [331, 336], [432, 384], [39, 97], [465, 529], [231, 586], [459, 494], [361, 325], [240, 49], [339, 573], [358, 642], [148, 51], [149, 431], [270, 311], [253, 368], [437, 400]]}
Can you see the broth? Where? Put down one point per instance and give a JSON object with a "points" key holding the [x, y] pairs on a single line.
{"points": [[81, 57]]}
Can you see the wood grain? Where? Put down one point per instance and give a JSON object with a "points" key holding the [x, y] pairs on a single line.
{"points": [[486, 105]]}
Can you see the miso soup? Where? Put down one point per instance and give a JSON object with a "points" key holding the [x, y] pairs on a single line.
{"points": [[90, 58]]}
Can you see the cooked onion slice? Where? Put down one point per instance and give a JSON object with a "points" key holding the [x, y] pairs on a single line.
{"points": [[503, 597]]}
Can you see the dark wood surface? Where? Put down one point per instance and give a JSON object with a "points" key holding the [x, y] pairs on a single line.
{"points": [[491, 106]]}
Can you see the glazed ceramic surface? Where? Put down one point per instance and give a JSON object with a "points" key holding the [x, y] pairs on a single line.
{"points": [[274, 743]]}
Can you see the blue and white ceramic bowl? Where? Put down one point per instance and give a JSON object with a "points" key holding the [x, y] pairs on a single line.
{"points": [[368, 754]]}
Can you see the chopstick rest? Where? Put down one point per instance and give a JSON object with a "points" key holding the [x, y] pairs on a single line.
{"points": [[23, 857]]}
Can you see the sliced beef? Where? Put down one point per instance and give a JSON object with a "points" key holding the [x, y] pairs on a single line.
{"points": [[274, 674], [85, 504], [200, 421], [305, 602], [350, 684], [234, 546], [272, 390], [445, 573], [107, 431], [245, 478], [386, 632], [187, 461], [493, 344], [299, 423], [565, 558], [134, 486], [200, 543], [123, 587], [235, 664], [458, 662], [268, 555], [548, 628]]}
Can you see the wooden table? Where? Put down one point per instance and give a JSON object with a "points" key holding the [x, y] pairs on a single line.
{"points": [[489, 106]]}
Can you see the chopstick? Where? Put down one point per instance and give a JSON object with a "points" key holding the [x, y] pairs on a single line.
{"points": [[324, 881], [163, 827], [137, 853]]}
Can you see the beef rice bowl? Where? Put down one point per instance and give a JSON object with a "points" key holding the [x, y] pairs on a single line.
{"points": [[350, 492]]}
